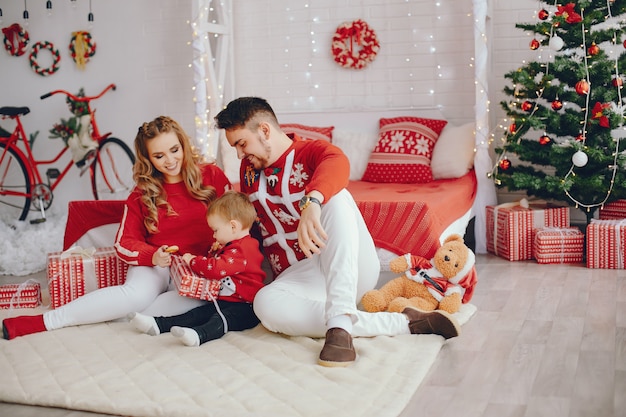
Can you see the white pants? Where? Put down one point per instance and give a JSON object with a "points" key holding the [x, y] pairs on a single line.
{"points": [[145, 290], [309, 293]]}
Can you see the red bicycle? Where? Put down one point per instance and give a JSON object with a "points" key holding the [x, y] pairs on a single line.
{"points": [[22, 185]]}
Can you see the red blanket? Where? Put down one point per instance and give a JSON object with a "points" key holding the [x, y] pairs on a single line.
{"points": [[410, 218], [402, 218]]}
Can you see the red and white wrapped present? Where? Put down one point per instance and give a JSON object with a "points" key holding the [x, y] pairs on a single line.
{"points": [[558, 245], [613, 210], [77, 271], [190, 284], [510, 227], [24, 295], [606, 244]]}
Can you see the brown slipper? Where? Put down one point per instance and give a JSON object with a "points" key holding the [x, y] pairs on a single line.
{"points": [[338, 350], [432, 322]]}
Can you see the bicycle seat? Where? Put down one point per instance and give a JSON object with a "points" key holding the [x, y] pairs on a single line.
{"points": [[14, 111]]}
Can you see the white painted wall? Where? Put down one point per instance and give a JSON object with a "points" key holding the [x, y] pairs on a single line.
{"points": [[282, 53], [141, 45]]}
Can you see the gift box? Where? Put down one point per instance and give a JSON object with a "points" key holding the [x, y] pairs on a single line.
{"points": [[76, 272], [606, 244], [510, 227], [25, 295], [190, 284], [556, 245], [613, 210]]}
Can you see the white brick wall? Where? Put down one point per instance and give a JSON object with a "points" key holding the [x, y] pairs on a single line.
{"points": [[283, 54]]}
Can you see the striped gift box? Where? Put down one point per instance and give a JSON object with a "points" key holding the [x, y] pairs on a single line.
{"points": [[191, 285], [510, 227], [606, 244], [25, 295], [558, 245], [77, 271], [613, 210]]}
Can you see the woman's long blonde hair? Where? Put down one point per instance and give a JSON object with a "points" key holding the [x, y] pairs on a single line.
{"points": [[150, 181]]}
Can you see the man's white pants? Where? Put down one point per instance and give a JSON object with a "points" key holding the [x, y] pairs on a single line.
{"points": [[309, 293]]}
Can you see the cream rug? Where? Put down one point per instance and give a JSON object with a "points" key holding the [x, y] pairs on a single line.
{"points": [[109, 368]]}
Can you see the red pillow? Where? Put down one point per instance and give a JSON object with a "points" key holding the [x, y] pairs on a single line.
{"points": [[309, 132], [404, 150]]}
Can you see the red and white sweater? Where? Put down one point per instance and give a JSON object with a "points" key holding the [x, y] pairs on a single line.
{"points": [[237, 265], [275, 191], [188, 228]]}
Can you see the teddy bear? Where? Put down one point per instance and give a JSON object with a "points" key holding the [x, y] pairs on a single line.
{"points": [[444, 282]]}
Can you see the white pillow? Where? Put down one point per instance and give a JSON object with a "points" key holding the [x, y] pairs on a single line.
{"points": [[357, 146], [453, 155]]}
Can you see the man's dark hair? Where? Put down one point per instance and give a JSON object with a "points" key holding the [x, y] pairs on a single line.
{"points": [[240, 111]]}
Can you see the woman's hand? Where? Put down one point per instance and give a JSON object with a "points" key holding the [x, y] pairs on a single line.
{"points": [[162, 257]]}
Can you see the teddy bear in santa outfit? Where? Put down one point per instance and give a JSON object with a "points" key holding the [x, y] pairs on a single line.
{"points": [[444, 282]]}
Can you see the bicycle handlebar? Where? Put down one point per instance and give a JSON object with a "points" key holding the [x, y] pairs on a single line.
{"points": [[79, 99]]}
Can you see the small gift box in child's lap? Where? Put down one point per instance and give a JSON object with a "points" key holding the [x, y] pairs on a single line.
{"points": [[78, 271], [190, 284], [558, 245], [25, 295], [606, 244]]}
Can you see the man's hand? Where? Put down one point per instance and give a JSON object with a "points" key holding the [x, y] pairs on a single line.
{"points": [[311, 235]]}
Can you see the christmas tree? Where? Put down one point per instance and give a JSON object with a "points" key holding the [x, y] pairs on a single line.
{"points": [[564, 138]]}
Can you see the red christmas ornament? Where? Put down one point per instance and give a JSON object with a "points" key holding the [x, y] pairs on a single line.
{"points": [[543, 14], [580, 138], [534, 44], [557, 105], [527, 106], [618, 82], [512, 128], [504, 164], [593, 49], [545, 140], [582, 87], [624, 44]]}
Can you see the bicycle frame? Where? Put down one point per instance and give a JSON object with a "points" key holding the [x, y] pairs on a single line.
{"points": [[19, 134]]}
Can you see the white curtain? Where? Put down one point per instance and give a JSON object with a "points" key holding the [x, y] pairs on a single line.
{"points": [[486, 194]]}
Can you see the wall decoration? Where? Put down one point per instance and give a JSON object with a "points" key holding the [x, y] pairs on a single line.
{"points": [[354, 44], [15, 39], [55, 56], [82, 48]]}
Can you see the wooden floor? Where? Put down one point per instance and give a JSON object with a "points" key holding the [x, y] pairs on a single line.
{"points": [[547, 340]]}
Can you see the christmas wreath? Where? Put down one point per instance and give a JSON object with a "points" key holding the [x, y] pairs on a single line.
{"points": [[55, 55], [15, 39], [82, 48], [354, 44]]}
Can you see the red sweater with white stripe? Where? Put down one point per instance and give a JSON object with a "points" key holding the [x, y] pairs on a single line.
{"points": [[188, 228], [237, 265], [276, 191]]}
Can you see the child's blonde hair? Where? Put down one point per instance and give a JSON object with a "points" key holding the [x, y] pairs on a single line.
{"points": [[234, 205]]}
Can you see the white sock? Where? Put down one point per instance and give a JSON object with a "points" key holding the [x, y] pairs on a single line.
{"points": [[343, 321], [145, 324], [189, 337]]}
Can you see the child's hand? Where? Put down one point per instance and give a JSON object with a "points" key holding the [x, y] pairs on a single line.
{"points": [[215, 247], [188, 257]]}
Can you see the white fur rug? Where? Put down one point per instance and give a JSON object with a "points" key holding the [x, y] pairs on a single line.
{"points": [[109, 368]]}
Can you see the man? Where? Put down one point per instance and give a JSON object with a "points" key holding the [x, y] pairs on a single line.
{"points": [[314, 237]]}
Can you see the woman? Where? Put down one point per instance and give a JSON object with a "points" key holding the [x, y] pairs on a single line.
{"points": [[167, 208]]}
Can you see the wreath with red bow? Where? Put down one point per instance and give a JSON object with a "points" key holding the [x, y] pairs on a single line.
{"points": [[354, 44], [15, 39]]}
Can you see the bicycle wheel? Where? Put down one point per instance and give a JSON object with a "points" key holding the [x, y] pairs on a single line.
{"points": [[14, 186], [112, 171]]}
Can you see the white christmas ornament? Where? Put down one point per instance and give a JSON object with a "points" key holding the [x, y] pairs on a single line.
{"points": [[580, 159], [556, 43]]}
